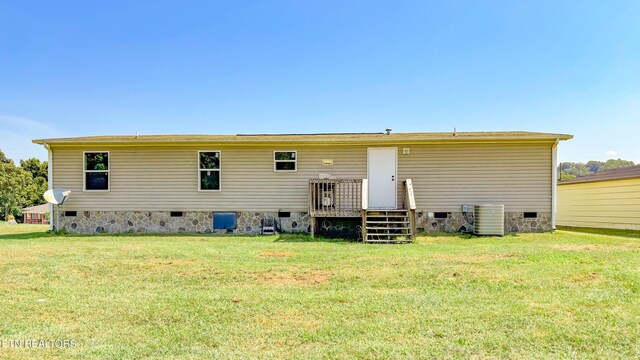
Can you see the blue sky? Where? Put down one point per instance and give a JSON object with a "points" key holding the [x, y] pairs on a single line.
{"points": [[121, 67]]}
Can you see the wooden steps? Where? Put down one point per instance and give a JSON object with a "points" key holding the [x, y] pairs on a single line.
{"points": [[387, 226]]}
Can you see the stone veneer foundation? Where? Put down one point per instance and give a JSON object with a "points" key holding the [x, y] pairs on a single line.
{"points": [[457, 222], [89, 222]]}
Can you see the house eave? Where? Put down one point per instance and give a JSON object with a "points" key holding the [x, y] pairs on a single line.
{"points": [[316, 139]]}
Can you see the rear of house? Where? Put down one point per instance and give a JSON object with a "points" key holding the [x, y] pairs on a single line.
{"points": [[302, 183], [607, 199]]}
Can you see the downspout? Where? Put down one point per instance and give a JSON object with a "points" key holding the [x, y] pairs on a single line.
{"points": [[50, 181], [554, 183]]}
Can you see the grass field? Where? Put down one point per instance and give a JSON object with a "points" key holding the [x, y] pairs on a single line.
{"points": [[562, 295]]}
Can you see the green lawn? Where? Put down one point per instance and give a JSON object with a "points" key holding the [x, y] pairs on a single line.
{"points": [[562, 295]]}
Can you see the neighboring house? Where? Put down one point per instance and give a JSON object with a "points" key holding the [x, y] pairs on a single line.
{"points": [[210, 183], [606, 199], [36, 214]]}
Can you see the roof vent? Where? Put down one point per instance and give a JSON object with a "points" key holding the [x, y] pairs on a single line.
{"points": [[388, 131]]}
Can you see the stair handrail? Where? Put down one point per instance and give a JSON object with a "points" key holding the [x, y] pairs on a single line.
{"points": [[411, 206], [410, 196]]}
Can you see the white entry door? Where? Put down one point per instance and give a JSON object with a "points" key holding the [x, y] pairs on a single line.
{"points": [[381, 172]]}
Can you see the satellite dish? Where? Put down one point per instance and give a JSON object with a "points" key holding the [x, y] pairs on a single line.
{"points": [[57, 196]]}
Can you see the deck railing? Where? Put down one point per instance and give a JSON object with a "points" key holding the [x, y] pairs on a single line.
{"points": [[409, 203], [335, 197]]}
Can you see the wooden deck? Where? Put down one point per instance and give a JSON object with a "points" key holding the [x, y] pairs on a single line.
{"points": [[348, 198], [335, 198]]}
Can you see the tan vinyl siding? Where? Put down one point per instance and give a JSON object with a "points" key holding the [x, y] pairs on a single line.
{"points": [[445, 176], [603, 204], [166, 178]]}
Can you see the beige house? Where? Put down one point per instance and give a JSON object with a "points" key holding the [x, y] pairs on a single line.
{"points": [[607, 199], [308, 183]]}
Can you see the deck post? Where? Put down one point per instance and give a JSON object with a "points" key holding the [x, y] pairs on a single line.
{"points": [[364, 205], [312, 225], [364, 225]]}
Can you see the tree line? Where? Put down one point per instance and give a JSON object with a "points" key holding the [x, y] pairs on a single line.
{"points": [[572, 170], [21, 186]]}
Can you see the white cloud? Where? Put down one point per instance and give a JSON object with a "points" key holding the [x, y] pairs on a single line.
{"points": [[611, 154], [16, 133]]}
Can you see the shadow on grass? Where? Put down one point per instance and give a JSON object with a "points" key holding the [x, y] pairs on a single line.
{"points": [[27, 236], [444, 234], [283, 237], [633, 234], [36, 235], [299, 238], [278, 238], [458, 235]]}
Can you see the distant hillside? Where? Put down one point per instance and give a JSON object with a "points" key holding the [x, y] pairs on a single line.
{"points": [[571, 170]]}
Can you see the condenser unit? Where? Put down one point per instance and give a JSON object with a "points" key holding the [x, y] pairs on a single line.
{"points": [[489, 220]]}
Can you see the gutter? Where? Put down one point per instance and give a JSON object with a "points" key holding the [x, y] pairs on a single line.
{"points": [[554, 183], [327, 143], [417, 138], [49, 181]]}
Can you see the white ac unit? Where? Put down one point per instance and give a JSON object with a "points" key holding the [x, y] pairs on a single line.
{"points": [[489, 220]]}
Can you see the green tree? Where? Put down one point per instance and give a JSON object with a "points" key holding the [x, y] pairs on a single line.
{"points": [[573, 168], [35, 167], [595, 166], [15, 184], [4, 159], [34, 192], [617, 164], [21, 186]]}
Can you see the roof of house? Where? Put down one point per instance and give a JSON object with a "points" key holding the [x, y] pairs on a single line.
{"points": [[38, 209], [312, 138], [615, 174]]}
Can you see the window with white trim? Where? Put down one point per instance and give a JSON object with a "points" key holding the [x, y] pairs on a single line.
{"points": [[209, 170], [96, 170], [284, 161]]}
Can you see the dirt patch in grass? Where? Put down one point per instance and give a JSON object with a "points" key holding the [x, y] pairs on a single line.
{"points": [[18, 255], [466, 274], [154, 262], [475, 259], [155, 265], [288, 319], [392, 291], [15, 259], [276, 254], [127, 248], [8, 287], [569, 247], [587, 278], [591, 247], [306, 278]]}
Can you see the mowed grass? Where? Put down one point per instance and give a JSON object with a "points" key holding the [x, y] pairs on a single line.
{"points": [[562, 295]]}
